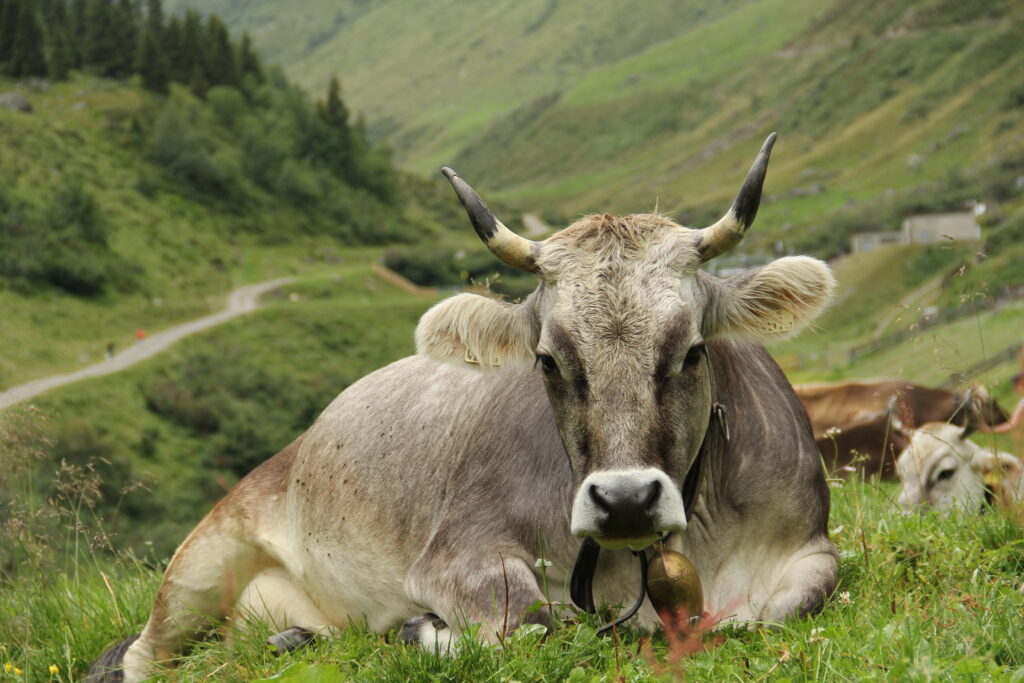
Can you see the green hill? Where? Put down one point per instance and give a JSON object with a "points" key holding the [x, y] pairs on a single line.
{"points": [[571, 106]]}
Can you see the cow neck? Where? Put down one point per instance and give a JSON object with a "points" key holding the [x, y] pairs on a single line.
{"points": [[581, 583]]}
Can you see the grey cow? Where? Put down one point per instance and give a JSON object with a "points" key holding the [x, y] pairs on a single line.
{"points": [[519, 428]]}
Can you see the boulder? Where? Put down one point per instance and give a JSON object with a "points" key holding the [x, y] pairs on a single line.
{"points": [[15, 101]]}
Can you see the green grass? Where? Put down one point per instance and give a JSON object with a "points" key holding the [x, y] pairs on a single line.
{"points": [[919, 598], [571, 107]]}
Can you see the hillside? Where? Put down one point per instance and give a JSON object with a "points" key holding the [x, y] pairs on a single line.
{"points": [[121, 209], [571, 107]]}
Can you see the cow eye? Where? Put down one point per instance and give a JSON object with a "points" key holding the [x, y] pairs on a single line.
{"points": [[694, 355], [945, 474], [547, 363]]}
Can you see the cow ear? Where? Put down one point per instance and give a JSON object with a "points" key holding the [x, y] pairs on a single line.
{"points": [[477, 331], [774, 301], [994, 467]]}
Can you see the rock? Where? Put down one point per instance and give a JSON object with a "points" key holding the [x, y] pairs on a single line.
{"points": [[15, 101]]}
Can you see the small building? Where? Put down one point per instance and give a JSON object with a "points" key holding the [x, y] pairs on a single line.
{"points": [[941, 227], [926, 228], [867, 241]]}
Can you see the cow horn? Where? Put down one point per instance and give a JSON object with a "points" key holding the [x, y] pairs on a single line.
{"points": [[729, 230], [509, 247]]}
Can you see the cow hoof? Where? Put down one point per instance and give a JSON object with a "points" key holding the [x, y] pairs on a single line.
{"points": [[289, 639], [107, 667], [425, 630]]}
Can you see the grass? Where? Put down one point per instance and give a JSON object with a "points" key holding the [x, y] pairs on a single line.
{"points": [[919, 598], [573, 108]]}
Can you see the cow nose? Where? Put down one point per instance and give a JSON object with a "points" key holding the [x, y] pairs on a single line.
{"points": [[627, 504], [627, 507]]}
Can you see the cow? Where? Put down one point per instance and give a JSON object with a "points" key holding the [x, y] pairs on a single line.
{"points": [[870, 446], [626, 401], [944, 470], [840, 404], [851, 424]]}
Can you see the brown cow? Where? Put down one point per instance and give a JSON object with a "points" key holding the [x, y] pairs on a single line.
{"points": [[860, 409], [843, 404], [870, 446]]}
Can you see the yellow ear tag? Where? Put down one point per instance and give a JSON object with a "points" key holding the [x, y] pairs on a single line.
{"points": [[993, 479], [778, 322], [471, 358]]}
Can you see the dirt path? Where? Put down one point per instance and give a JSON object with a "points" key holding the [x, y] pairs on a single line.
{"points": [[240, 302]]}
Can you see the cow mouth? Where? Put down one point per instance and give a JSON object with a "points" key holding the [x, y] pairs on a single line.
{"points": [[635, 543]]}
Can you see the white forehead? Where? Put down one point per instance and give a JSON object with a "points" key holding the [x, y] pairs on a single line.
{"points": [[931, 442]]}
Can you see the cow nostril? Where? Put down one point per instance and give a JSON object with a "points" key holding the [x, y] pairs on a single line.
{"points": [[653, 496], [599, 498]]}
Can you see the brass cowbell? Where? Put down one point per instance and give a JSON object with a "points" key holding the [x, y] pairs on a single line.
{"points": [[673, 584]]}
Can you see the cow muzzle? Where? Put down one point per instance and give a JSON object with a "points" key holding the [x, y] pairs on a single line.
{"points": [[627, 508]]}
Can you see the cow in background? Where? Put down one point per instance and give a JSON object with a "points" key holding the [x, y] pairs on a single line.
{"points": [[851, 419], [942, 469]]}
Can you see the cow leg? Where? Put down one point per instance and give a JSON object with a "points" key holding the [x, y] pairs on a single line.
{"points": [[805, 584], [274, 598], [495, 592], [200, 586]]}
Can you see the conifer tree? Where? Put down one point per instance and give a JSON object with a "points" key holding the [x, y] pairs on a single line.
{"points": [[152, 65], [248, 62], [198, 83], [333, 111], [27, 57], [76, 24], [190, 49], [155, 18], [219, 55], [98, 49], [61, 53], [8, 29], [171, 44]]}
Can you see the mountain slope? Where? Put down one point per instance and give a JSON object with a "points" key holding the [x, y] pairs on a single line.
{"points": [[572, 107]]}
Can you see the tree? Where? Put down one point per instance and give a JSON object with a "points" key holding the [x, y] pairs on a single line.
{"points": [[219, 55], [27, 57], [152, 65], [62, 54], [338, 147], [97, 46], [9, 10], [197, 83], [77, 29], [248, 62], [155, 17], [187, 59]]}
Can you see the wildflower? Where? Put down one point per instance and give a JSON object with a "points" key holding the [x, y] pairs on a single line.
{"points": [[54, 669], [8, 666], [816, 635], [844, 598], [541, 562], [833, 432]]}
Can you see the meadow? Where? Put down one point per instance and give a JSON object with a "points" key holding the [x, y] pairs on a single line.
{"points": [[102, 479], [920, 598]]}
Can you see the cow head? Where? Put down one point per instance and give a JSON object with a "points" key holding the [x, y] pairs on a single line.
{"points": [[618, 327], [942, 469]]}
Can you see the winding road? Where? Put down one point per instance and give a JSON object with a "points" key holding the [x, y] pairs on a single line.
{"points": [[241, 301]]}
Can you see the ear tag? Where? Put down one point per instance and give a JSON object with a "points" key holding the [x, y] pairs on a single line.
{"points": [[471, 358], [778, 322], [993, 479]]}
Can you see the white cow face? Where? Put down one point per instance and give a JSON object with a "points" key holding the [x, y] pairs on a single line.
{"points": [[936, 470]]}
